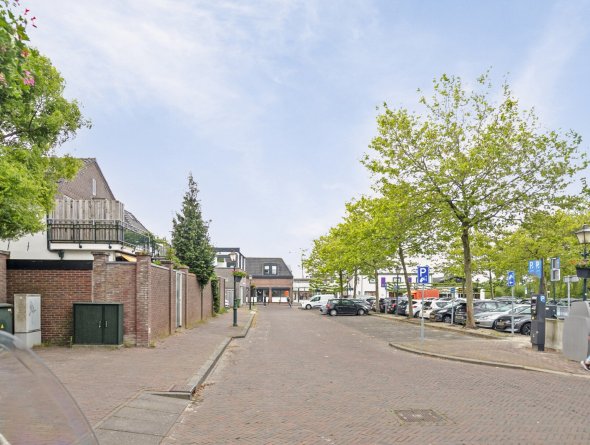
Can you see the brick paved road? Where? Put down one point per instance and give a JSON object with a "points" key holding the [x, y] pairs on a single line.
{"points": [[302, 378]]}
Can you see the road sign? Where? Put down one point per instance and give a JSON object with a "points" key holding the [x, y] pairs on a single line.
{"points": [[555, 271], [571, 279], [511, 280], [423, 273], [383, 284], [536, 268]]}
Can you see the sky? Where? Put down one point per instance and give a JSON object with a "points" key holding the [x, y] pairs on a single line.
{"points": [[271, 104]]}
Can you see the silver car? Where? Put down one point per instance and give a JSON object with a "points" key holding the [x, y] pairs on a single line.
{"points": [[488, 319]]}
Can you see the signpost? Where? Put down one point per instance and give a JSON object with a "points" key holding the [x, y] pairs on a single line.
{"points": [[511, 282], [555, 275], [423, 278], [570, 279]]}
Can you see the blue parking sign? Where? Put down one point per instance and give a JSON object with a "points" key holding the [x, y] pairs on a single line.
{"points": [[423, 273], [511, 280], [536, 268]]}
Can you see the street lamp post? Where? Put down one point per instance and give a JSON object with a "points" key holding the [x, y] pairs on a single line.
{"points": [[233, 257], [584, 238], [251, 289]]}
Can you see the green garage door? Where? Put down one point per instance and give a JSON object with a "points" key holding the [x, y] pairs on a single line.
{"points": [[98, 323]]}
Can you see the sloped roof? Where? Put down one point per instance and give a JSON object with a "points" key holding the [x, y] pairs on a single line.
{"points": [[134, 222], [255, 267], [77, 184]]}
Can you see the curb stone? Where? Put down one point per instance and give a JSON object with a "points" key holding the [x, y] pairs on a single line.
{"points": [[140, 428], [483, 362]]}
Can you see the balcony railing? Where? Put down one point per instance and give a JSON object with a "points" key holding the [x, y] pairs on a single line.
{"points": [[98, 232]]}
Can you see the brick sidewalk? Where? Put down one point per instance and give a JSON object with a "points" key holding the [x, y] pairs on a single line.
{"points": [[102, 378], [491, 347]]}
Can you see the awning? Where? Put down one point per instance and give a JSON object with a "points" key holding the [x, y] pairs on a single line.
{"points": [[129, 258]]}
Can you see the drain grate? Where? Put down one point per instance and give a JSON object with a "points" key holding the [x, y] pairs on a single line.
{"points": [[418, 415]]}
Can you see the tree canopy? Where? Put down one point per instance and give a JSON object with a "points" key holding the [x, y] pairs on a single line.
{"points": [[190, 236], [482, 165], [35, 119]]}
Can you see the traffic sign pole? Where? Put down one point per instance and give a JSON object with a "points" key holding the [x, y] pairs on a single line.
{"points": [[511, 282]]}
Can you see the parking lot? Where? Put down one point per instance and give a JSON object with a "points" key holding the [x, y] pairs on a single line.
{"points": [[300, 377]]}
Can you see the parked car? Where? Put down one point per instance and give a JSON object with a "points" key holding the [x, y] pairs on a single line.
{"points": [[385, 304], [316, 301], [402, 307], [435, 304], [522, 322], [418, 307], [324, 307], [488, 319], [371, 301], [364, 303], [344, 306], [479, 306], [446, 314]]}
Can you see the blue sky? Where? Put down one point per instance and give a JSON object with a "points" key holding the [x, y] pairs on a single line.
{"points": [[271, 104]]}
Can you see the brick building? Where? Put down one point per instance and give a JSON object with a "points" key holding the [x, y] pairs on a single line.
{"points": [[95, 251], [271, 277]]}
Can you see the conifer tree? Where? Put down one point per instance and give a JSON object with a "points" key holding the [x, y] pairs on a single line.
{"points": [[190, 236]]}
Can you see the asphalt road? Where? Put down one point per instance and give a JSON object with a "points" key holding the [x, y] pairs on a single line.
{"points": [[302, 378]]}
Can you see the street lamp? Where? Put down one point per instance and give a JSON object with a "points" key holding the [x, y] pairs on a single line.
{"points": [[251, 289], [233, 257], [584, 238]]}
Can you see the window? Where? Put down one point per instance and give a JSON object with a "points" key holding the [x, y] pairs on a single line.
{"points": [[93, 187], [270, 269]]}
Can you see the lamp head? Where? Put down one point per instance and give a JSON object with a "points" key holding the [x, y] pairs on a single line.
{"points": [[584, 234], [233, 257]]}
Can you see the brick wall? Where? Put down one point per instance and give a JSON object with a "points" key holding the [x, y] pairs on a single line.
{"points": [[161, 307], [3, 259], [193, 300], [147, 291], [59, 289], [121, 288]]}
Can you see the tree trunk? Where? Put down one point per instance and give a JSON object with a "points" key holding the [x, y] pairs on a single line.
{"points": [[407, 279], [542, 281], [492, 293], [376, 290], [468, 290], [341, 284], [356, 279]]}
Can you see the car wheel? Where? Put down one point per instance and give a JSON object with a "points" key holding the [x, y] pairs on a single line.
{"points": [[447, 319], [333, 312], [417, 314], [494, 325], [361, 312], [308, 306], [526, 329]]}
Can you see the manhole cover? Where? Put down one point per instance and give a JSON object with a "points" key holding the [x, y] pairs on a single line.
{"points": [[418, 415]]}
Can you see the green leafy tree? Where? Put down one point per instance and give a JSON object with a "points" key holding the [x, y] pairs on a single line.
{"points": [[190, 236], [542, 235], [35, 119], [482, 165]]}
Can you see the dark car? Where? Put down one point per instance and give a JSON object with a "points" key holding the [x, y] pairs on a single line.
{"points": [[479, 306], [385, 305], [364, 303], [402, 307], [447, 313], [343, 306], [522, 322]]}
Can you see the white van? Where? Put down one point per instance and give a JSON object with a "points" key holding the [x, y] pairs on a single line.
{"points": [[316, 301]]}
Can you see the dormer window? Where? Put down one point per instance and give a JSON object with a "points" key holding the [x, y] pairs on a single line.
{"points": [[270, 269]]}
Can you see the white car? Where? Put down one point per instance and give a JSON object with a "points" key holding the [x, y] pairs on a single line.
{"points": [[435, 304], [316, 301]]}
